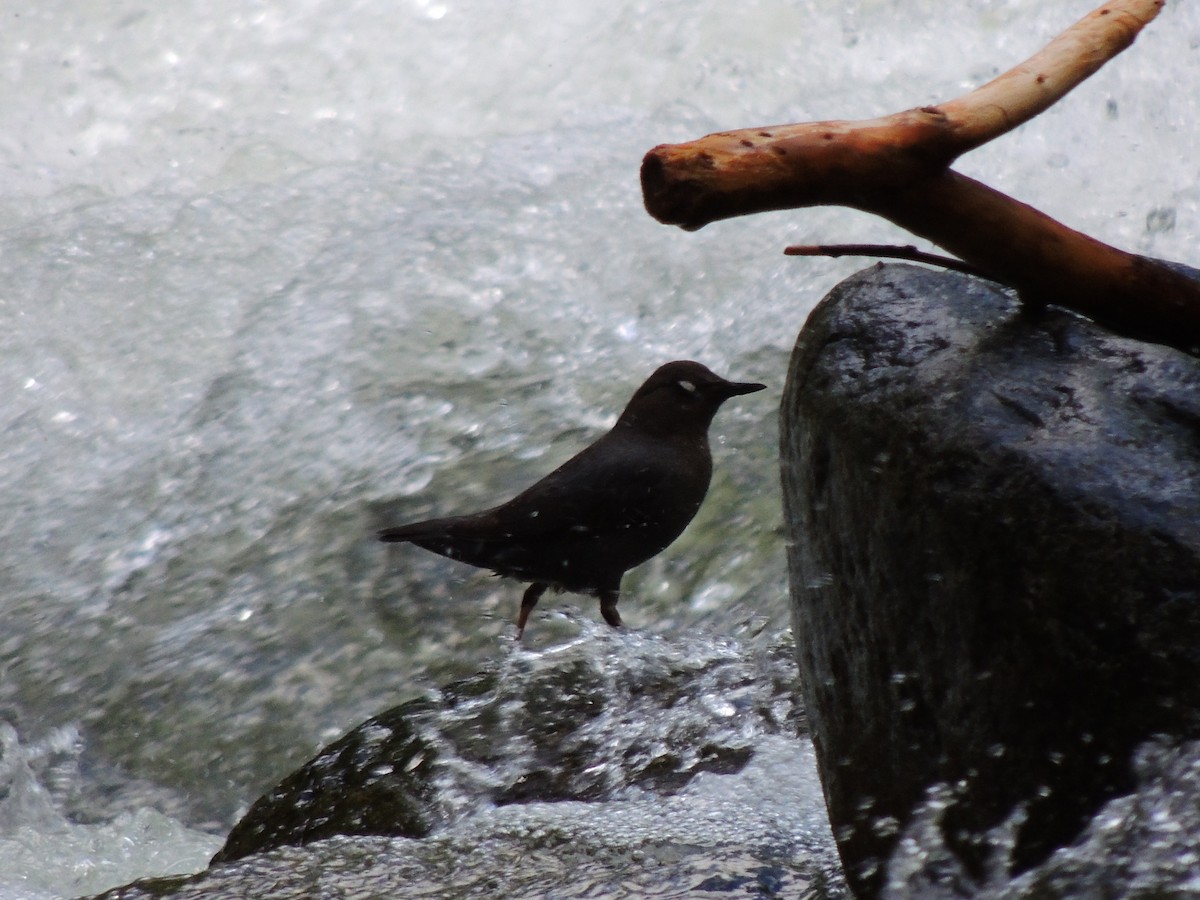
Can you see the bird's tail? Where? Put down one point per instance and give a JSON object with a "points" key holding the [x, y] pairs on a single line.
{"points": [[455, 537], [400, 533], [431, 531]]}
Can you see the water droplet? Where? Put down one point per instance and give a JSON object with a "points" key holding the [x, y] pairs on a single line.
{"points": [[1160, 220]]}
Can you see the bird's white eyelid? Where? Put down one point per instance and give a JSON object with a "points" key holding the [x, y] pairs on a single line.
{"points": [[688, 386]]}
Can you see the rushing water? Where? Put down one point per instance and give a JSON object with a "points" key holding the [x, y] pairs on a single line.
{"points": [[276, 274]]}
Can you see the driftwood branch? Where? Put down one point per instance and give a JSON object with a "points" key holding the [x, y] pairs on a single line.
{"points": [[897, 167]]}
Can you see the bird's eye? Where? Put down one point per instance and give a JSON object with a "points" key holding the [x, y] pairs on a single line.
{"points": [[687, 386]]}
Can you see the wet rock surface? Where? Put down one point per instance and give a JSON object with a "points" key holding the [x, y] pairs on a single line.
{"points": [[994, 547], [611, 750], [376, 779], [526, 732]]}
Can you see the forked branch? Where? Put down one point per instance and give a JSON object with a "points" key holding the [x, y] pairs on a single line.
{"points": [[898, 167]]}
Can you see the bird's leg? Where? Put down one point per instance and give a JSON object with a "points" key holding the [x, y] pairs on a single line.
{"points": [[533, 593], [608, 608]]}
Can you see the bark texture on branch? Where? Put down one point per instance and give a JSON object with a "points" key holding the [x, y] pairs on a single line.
{"points": [[897, 167]]}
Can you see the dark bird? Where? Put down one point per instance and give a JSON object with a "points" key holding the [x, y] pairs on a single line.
{"points": [[609, 508]]}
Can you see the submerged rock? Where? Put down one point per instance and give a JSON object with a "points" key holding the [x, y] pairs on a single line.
{"points": [[618, 763], [374, 780], [994, 533], [578, 723]]}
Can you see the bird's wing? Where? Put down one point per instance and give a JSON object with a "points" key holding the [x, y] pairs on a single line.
{"points": [[611, 486], [595, 491]]}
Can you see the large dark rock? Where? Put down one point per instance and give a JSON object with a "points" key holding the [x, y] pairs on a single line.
{"points": [[994, 531]]}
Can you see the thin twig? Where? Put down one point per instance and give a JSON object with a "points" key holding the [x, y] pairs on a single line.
{"points": [[890, 251]]}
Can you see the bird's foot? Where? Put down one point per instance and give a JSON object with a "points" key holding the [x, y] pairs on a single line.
{"points": [[533, 593], [608, 609]]}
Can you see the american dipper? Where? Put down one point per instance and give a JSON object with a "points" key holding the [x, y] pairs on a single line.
{"points": [[602, 512]]}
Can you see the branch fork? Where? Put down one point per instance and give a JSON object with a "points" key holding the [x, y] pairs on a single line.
{"points": [[898, 167]]}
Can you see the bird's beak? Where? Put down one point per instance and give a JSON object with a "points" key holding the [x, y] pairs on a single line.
{"points": [[734, 388]]}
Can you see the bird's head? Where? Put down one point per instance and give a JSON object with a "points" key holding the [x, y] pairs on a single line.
{"points": [[681, 397]]}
